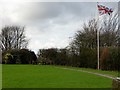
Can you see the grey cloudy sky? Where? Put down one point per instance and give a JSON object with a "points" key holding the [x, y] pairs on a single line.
{"points": [[49, 24]]}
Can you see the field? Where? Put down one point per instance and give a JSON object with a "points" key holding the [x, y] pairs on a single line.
{"points": [[45, 76], [0, 76]]}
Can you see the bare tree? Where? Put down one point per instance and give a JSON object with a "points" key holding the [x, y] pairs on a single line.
{"points": [[109, 32], [87, 36], [13, 37]]}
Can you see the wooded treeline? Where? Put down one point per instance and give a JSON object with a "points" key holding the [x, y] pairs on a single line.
{"points": [[109, 58], [19, 56], [81, 51], [14, 46]]}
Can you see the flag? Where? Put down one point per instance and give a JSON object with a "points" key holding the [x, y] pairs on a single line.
{"points": [[104, 10]]}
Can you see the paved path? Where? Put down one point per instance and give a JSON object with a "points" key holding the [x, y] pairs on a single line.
{"points": [[103, 75]]}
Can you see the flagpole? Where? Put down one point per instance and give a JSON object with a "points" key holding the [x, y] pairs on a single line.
{"points": [[105, 10], [98, 45], [98, 49]]}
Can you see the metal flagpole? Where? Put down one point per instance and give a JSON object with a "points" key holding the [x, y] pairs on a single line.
{"points": [[98, 49], [106, 11], [98, 61]]}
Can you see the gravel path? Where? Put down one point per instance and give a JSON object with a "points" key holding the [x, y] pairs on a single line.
{"points": [[103, 75]]}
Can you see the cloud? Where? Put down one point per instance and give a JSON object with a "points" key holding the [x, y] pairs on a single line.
{"points": [[49, 24]]}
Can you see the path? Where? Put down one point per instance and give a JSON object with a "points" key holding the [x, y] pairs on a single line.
{"points": [[103, 75]]}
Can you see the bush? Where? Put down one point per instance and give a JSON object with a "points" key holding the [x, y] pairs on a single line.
{"points": [[110, 58], [19, 56]]}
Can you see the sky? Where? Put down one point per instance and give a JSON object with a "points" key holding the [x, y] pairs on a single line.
{"points": [[49, 24]]}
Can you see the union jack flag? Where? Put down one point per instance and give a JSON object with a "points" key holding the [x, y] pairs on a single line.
{"points": [[104, 10]]}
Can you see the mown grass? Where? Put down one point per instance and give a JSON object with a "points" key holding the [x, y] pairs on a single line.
{"points": [[44, 76], [110, 73], [0, 76]]}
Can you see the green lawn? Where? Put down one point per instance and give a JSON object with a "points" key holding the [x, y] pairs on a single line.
{"points": [[0, 76], [110, 73], [44, 76]]}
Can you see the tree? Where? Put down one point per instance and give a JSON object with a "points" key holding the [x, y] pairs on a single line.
{"points": [[19, 56], [8, 58], [87, 36], [53, 56], [13, 37], [27, 57], [47, 56], [33, 57], [84, 43], [109, 35]]}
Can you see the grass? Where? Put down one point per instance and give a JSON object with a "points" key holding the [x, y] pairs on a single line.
{"points": [[45, 76], [110, 73], [0, 76]]}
